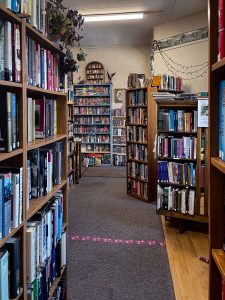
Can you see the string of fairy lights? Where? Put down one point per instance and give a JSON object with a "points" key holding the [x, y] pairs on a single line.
{"points": [[187, 72]]}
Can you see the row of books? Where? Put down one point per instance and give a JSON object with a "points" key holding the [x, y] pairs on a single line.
{"points": [[94, 71], [41, 118], [44, 170], [118, 122], [9, 122], [43, 67], [104, 101], [95, 81], [137, 134], [11, 199], [119, 149], [137, 170], [137, 116], [89, 120], [167, 82], [138, 97], [178, 173], [95, 159], [10, 266], [177, 120], [119, 131], [46, 248], [91, 110], [118, 112], [95, 148], [119, 140], [79, 129], [138, 152], [138, 188], [92, 90], [60, 290], [135, 80], [10, 52], [171, 147], [119, 160], [181, 200], [70, 129], [95, 77], [96, 138]]}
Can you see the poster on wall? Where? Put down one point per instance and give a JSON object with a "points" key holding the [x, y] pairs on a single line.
{"points": [[120, 95], [203, 113]]}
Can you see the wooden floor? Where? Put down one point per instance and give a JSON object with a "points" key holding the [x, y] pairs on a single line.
{"points": [[190, 275]]}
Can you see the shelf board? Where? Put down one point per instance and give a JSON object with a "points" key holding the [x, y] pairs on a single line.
{"points": [[137, 179], [10, 85], [20, 294], [219, 258], [37, 203], [38, 90], [92, 124], [7, 155], [137, 143], [86, 115], [137, 106], [176, 103], [179, 215], [135, 89], [86, 96], [92, 133], [119, 145], [170, 91], [92, 105], [42, 39], [104, 152], [43, 142], [177, 132], [120, 127], [137, 160], [55, 283], [8, 15], [138, 197], [134, 124], [218, 65], [176, 184], [12, 233], [70, 102], [176, 159], [218, 163]]}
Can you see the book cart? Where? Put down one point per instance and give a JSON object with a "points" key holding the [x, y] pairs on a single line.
{"points": [[181, 158], [18, 158]]}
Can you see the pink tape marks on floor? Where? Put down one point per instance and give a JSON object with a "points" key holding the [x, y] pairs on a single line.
{"points": [[117, 241]]}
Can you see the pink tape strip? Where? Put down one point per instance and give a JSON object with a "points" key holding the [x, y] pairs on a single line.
{"points": [[117, 241]]}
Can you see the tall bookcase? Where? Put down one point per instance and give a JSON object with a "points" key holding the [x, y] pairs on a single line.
{"points": [[93, 123], [119, 137], [140, 136], [216, 166], [18, 158], [70, 146], [181, 156]]}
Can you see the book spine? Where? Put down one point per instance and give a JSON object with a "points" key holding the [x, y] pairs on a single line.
{"points": [[9, 122], [7, 205], [1, 206], [15, 192], [13, 121], [4, 278], [8, 51]]}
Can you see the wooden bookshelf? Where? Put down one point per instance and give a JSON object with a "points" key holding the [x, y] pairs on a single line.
{"points": [[95, 73], [195, 162], [18, 158], [216, 167], [118, 139], [148, 108]]}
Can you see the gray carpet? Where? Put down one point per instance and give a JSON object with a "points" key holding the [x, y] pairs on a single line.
{"points": [[98, 270], [105, 172]]}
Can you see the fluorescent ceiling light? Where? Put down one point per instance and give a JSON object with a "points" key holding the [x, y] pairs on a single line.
{"points": [[113, 17]]}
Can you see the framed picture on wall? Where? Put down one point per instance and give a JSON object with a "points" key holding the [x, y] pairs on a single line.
{"points": [[120, 95]]}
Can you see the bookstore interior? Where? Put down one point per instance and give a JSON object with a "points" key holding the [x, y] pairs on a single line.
{"points": [[112, 150]]}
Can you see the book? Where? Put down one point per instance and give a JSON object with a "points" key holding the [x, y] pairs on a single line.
{"points": [[31, 250], [221, 120], [4, 277], [6, 177], [8, 51], [221, 28], [5, 123]]}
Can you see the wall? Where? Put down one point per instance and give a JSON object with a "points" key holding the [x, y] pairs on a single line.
{"points": [[189, 54], [122, 60]]}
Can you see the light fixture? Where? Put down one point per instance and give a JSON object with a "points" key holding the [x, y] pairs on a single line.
{"points": [[114, 17]]}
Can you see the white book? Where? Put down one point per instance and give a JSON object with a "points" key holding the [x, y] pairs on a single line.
{"points": [[15, 204], [159, 197], [4, 275], [8, 51], [31, 248], [21, 197], [49, 233], [183, 201], [17, 55], [191, 202], [28, 184], [33, 120], [29, 120], [63, 249], [170, 198], [33, 19]]}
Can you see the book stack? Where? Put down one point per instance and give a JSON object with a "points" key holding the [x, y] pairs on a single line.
{"points": [[45, 170], [10, 66], [119, 137], [43, 67], [10, 269], [92, 122], [177, 120], [167, 82], [11, 199], [42, 118], [175, 199], [46, 248], [9, 122], [162, 96]]}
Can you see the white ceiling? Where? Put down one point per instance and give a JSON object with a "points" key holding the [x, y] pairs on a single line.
{"points": [[136, 32]]}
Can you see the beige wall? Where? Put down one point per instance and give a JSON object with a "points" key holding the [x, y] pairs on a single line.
{"points": [[122, 60], [189, 54]]}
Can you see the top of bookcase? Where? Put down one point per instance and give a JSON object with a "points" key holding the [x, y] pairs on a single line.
{"points": [[92, 84]]}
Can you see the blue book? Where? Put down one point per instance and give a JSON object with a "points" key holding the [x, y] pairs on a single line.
{"points": [[171, 120], [1, 207], [14, 6], [6, 203], [4, 274], [222, 120]]}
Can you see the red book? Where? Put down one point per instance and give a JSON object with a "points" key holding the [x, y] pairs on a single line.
{"points": [[221, 22], [40, 118]]}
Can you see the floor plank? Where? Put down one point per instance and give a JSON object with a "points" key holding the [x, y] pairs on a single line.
{"points": [[189, 273]]}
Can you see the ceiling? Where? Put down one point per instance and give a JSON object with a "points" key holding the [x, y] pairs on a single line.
{"points": [[135, 32]]}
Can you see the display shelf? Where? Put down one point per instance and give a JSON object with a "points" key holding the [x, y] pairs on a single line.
{"points": [[138, 179], [44, 142], [4, 156], [40, 91], [176, 159], [137, 161], [179, 215]]}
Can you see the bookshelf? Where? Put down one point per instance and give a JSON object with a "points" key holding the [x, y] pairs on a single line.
{"points": [[18, 158], [70, 146], [95, 73], [140, 136], [119, 137], [181, 158], [216, 166], [92, 122]]}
